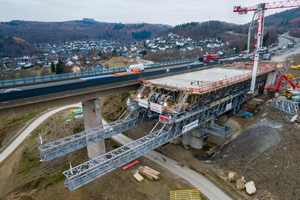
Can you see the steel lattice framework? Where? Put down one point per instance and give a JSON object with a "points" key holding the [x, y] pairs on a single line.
{"points": [[93, 169], [288, 106], [137, 116]]}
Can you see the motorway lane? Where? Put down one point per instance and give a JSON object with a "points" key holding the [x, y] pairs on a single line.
{"points": [[30, 128], [74, 80]]}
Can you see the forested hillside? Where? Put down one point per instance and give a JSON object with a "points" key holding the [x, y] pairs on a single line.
{"points": [[200, 30], [288, 20], [55, 32], [13, 47]]}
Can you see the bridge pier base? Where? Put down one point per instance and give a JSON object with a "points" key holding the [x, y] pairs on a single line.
{"points": [[271, 79], [92, 118], [193, 138]]}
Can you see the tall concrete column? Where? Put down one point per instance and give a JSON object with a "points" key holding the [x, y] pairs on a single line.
{"points": [[271, 79], [92, 119]]}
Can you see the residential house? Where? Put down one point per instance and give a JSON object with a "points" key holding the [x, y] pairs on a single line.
{"points": [[97, 67], [75, 69], [190, 47], [180, 43]]}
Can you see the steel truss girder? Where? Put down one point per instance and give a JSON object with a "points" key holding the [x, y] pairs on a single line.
{"points": [[66, 145], [288, 106], [217, 130], [97, 167]]}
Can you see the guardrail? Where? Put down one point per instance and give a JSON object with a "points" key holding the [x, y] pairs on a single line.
{"points": [[59, 76], [171, 62]]}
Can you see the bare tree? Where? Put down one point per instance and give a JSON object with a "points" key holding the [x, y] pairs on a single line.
{"points": [[2, 73], [45, 72], [24, 73]]}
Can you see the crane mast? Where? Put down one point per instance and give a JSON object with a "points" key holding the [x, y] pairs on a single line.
{"points": [[259, 10]]}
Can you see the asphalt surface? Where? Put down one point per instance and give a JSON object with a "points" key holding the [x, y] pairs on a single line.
{"points": [[30, 128], [199, 181]]}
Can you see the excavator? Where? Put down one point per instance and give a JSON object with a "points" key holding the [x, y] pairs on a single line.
{"points": [[291, 92]]}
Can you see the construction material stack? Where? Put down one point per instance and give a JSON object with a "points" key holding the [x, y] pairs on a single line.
{"points": [[150, 173]]}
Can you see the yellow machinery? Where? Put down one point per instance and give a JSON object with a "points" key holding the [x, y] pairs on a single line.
{"points": [[295, 67]]}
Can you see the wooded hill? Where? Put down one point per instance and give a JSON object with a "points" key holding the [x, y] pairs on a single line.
{"points": [[13, 47], [56, 32], [288, 20]]}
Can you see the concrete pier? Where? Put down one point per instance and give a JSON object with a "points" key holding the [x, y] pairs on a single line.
{"points": [[92, 118], [193, 139], [271, 79]]}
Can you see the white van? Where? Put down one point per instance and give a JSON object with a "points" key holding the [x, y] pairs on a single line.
{"points": [[137, 66]]}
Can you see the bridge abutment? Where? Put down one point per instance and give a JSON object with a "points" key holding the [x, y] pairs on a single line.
{"points": [[92, 118]]}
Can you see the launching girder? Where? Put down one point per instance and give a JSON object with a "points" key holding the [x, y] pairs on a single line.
{"points": [[136, 117], [170, 129]]}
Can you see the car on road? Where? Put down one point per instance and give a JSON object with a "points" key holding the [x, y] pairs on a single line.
{"points": [[241, 55], [196, 63], [12, 90]]}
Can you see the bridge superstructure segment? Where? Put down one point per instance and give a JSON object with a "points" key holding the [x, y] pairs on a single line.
{"points": [[179, 109]]}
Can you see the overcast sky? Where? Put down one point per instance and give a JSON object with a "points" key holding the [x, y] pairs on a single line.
{"points": [[170, 12]]}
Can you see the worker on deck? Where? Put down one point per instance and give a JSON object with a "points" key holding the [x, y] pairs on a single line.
{"points": [[198, 80], [220, 79]]}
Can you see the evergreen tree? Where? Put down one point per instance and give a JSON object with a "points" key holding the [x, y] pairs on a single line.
{"points": [[237, 48], [114, 53], [59, 67], [52, 67]]}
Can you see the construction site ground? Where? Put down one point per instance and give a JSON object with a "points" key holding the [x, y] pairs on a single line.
{"points": [[262, 143], [23, 172]]}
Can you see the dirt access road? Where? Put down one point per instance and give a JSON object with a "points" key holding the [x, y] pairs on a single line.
{"points": [[30, 128], [209, 189]]}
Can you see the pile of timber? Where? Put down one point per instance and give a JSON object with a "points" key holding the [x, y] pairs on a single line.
{"points": [[150, 173]]}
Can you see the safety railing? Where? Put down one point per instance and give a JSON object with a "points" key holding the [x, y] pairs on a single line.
{"points": [[174, 62], [230, 80], [59, 76]]}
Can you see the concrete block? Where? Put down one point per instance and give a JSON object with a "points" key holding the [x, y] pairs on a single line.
{"points": [[240, 184], [250, 188], [232, 176], [92, 119]]}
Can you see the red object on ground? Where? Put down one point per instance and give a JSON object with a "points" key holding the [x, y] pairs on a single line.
{"points": [[130, 165], [278, 84]]}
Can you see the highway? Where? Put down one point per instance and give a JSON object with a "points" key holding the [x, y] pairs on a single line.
{"points": [[199, 181]]}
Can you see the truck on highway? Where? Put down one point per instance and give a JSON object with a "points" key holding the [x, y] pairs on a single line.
{"points": [[267, 56], [208, 57], [136, 66]]}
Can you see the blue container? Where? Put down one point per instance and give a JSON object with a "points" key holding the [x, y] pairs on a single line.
{"points": [[95, 78], [244, 116]]}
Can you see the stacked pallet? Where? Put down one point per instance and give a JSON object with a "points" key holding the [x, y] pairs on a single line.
{"points": [[150, 173], [138, 177]]}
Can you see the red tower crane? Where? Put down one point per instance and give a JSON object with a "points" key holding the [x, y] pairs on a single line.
{"points": [[259, 10]]}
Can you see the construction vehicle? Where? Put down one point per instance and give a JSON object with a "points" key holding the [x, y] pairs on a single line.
{"points": [[295, 67], [267, 56], [208, 57], [291, 92], [259, 11]]}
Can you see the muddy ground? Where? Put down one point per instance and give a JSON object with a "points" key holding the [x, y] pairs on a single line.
{"points": [[255, 152]]}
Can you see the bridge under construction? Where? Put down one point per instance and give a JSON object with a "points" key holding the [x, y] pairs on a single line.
{"points": [[183, 106]]}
